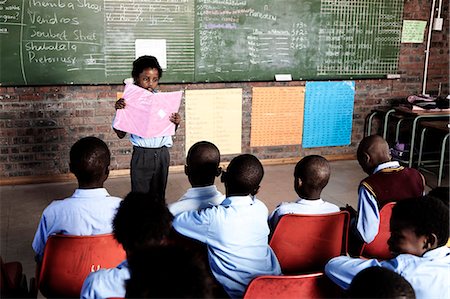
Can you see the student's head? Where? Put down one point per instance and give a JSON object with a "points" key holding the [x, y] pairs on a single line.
{"points": [[418, 225], [311, 175], [202, 164], [379, 282], [146, 72], [141, 221], [168, 272], [441, 193], [372, 151], [89, 162], [243, 175]]}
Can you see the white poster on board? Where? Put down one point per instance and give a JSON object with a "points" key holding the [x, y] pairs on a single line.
{"points": [[154, 47]]}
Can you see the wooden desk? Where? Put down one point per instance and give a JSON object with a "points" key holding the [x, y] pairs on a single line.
{"points": [[417, 116]]}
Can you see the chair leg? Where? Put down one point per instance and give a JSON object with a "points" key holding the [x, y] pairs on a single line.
{"points": [[441, 161]]}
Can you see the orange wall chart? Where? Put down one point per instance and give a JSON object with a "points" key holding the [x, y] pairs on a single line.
{"points": [[277, 116]]}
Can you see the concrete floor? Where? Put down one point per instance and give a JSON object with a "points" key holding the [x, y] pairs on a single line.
{"points": [[21, 206]]}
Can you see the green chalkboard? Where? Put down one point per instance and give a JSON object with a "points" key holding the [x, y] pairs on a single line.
{"points": [[45, 42], [91, 41], [309, 39]]}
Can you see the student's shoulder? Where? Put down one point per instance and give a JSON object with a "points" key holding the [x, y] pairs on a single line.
{"points": [[286, 206], [57, 204], [115, 199], [331, 206]]}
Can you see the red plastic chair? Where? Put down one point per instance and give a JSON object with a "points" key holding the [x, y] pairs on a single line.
{"points": [[305, 243], [68, 260], [315, 285], [379, 248], [13, 282]]}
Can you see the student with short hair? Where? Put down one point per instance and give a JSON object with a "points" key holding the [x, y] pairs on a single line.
{"points": [[379, 282], [202, 168], [419, 232], [168, 272], [236, 231], [142, 221], [90, 209], [151, 159], [387, 182], [311, 175]]}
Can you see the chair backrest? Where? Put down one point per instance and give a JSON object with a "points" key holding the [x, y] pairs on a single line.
{"points": [[315, 285], [12, 283], [68, 260], [379, 248], [305, 243]]}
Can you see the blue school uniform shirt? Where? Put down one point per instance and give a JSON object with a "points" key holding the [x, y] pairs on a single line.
{"points": [[87, 212], [106, 283], [197, 198], [236, 234], [429, 275]]}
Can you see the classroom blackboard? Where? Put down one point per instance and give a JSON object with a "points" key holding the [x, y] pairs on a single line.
{"points": [[45, 42]]}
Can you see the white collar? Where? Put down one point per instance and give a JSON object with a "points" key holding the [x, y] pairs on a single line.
{"points": [[310, 202], [390, 164]]}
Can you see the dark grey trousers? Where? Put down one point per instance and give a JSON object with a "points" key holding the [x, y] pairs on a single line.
{"points": [[149, 170]]}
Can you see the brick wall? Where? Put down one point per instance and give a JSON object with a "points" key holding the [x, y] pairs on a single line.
{"points": [[39, 124]]}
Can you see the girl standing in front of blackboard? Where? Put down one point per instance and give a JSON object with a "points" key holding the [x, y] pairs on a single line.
{"points": [[150, 160]]}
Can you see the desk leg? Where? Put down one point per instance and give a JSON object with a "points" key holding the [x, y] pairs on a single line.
{"points": [[386, 122], [413, 139], [369, 123], [441, 161], [422, 139]]}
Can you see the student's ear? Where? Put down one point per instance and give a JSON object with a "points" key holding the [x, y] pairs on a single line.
{"points": [[218, 171], [72, 170], [186, 169], [297, 184], [431, 242], [107, 171], [255, 191], [366, 158], [223, 177]]}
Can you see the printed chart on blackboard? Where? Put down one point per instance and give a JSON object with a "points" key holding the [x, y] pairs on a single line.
{"points": [[328, 113]]}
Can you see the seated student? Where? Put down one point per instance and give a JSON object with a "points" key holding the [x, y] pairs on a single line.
{"points": [[379, 282], [168, 272], [236, 231], [90, 209], [142, 221], [311, 175], [202, 167], [387, 182], [419, 231]]}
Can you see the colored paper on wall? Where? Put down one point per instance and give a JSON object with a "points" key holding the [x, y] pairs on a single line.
{"points": [[147, 114], [328, 113], [277, 116], [215, 115], [413, 31]]}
